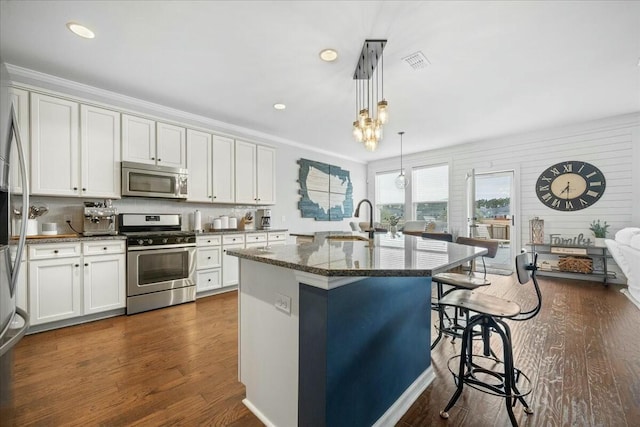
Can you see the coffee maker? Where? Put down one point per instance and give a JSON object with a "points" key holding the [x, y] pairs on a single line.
{"points": [[99, 219], [263, 219]]}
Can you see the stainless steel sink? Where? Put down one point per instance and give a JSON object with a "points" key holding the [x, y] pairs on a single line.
{"points": [[347, 237]]}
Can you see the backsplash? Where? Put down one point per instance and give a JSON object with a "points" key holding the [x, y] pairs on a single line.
{"points": [[60, 207]]}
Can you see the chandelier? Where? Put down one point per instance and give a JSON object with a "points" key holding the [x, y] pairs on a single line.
{"points": [[367, 128]]}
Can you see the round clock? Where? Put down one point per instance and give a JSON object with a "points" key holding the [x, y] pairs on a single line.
{"points": [[570, 185]]}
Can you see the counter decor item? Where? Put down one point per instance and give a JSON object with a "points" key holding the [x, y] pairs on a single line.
{"points": [[246, 222], [216, 224], [233, 223], [49, 229], [536, 230], [599, 230], [197, 221]]}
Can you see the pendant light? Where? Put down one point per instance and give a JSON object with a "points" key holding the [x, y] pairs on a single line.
{"points": [[401, 181]]}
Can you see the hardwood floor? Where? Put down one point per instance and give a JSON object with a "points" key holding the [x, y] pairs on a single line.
{"points": [[178, 366]]}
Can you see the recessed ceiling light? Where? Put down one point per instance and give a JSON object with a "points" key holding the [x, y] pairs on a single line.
{"points": [[328, 55], [279, 106], [80, 30]]}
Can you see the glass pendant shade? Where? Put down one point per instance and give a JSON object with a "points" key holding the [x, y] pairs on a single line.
{"points": [[357, 132], [363, 116], [402, 181], [368, 129], [383, 111], [370, 144]]}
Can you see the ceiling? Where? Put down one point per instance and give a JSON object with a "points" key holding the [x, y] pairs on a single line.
{"points": [[496, 68]]}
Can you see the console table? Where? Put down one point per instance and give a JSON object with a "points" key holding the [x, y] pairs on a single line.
{"points": [[553, 252]]}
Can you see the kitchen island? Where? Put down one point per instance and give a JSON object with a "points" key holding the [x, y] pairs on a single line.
{"points": [[337, 331]]}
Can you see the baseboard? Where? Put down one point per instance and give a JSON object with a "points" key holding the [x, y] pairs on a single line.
{"points": [[257, 413], [404, 402]]}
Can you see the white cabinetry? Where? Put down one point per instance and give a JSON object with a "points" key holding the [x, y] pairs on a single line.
{"points": [[68, 280], [230, 264], [20, 100], [22, 299], [100, 152], [210, 163], [254, 174], [54, 146], [145, 141], [104, 275], [256, 240], [55, 278], [71, 157], [209, 262], [277, 238]]}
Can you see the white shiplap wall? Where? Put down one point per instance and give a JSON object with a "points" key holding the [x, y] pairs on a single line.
{"points": [[611, 144]]}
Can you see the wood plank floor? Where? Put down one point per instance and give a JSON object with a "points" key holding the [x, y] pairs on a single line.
{"points": [[178, 366]]}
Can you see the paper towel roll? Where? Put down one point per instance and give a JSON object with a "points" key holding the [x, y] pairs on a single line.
{"points": [[197, 221]]}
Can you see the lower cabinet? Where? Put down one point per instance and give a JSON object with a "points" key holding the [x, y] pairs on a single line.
{"points": [[69, 280], [231, 264], [208, 263]]}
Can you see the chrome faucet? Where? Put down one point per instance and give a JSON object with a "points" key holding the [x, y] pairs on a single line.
{"points": [[357, 214]]}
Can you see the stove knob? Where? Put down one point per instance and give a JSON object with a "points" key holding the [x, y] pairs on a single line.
{"points": [[150, 241], [140, 242], [179, 239], [165, 240]]}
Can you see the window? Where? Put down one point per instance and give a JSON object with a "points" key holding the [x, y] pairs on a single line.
{"points": [[389, 198], [431, 196]]}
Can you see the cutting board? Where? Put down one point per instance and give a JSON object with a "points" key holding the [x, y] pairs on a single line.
{"points": [[55, 236]]}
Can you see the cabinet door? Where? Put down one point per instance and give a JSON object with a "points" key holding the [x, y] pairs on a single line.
{"points": [[266, 175], [245, 173], [100, 148], [223, 170], [20, 100], [230, 266], [54, 290], [171, 146], [208, 279], [104, 283], [54, 146], [138, 140], [208, 257], [199, 166]]}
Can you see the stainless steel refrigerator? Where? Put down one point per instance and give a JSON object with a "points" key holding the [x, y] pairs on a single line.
{"points": [[13, 320]]}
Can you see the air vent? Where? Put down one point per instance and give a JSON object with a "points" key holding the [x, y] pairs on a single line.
{"points": [[416, 60]]}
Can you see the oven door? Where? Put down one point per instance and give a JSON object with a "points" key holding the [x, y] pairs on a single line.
{"points": [[153, 270]]}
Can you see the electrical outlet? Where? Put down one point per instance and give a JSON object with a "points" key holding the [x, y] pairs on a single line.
{"points": [[283, 303], [67, 218]]}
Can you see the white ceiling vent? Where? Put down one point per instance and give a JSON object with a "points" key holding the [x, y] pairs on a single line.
{"points": [[416, 60]]}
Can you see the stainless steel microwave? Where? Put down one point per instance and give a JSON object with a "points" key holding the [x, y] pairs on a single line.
{"points": [[142, 180]]}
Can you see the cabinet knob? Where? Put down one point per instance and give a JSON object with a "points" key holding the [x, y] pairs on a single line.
{"points": [[210, 196], [159, 159], [77, 265], [215, 197], [153, 158], [104, 249], [86, 264], [209, 280], [84, 189], [208, 257], [55, 251], [75, 188]]}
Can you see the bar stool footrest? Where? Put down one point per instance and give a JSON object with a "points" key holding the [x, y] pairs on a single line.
{"points": [[478, 377]]}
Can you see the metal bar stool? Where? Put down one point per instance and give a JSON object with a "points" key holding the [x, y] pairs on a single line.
{"points": [[448, 325], [481, 371]]}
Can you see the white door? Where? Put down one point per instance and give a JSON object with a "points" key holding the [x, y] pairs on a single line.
{"points": [[100, 148], [54, 290], [104, 283], [223, 173], [199, 166], [230, 266], [138, 139], [266, 175], [494, 209], [245, 175], [171, 146], [55, 158]]}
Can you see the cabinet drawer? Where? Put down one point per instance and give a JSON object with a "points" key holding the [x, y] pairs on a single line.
{"points": [[208, 257], [208, 279], [256, 237], [277, 237], [208, 240], [54, 250], [103, 247], [232, 239]]}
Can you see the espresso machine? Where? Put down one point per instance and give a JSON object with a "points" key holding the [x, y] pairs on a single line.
{"points": [[99, 219], [263, 219]]}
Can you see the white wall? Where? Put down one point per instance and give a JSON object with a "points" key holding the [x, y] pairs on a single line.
{"points": [[285, 213], [610, 144]]}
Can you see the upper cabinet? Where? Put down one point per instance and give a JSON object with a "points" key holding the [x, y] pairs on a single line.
{"points": [[154, 143], [210, 162], [255, 174], [75, 150], [20, 100]]}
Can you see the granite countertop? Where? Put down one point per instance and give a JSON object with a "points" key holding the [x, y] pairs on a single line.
{"points": [[391, 255]]}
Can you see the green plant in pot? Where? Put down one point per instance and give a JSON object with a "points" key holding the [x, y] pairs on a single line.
{"points": [[599, 230]]}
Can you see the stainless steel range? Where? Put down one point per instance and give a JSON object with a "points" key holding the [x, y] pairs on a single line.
{"points": [[160, 261]]}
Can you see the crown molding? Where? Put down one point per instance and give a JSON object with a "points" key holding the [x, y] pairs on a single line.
{"points": [[23, 75]]}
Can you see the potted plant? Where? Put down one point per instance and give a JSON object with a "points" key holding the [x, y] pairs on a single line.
{"points": [[599, 230], [393, 223]]}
